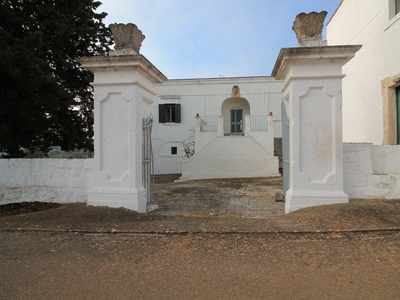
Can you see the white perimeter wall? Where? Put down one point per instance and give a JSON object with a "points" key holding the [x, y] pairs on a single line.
{"points": [[45, 180], [365, 22], [369, 172], [205, 97]]}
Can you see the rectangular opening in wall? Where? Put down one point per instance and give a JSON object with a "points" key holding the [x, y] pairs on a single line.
{"points": [[174, 150], [236, 121], [169, 113], [391, 110], [394, 8]]}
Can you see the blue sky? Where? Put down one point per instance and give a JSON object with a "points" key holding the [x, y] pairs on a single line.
{"points": [[212, 38]]}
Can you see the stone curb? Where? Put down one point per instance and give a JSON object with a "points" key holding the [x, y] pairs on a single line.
{"points": [[185, 232]]}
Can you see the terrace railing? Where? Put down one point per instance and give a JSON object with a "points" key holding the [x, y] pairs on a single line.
{"points": [[259, 123], [208, 124]]}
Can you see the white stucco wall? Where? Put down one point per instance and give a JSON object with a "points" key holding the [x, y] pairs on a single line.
{"points": [[45, 180], [367, 23], [218, 160], [371, 171], [205, 97]]}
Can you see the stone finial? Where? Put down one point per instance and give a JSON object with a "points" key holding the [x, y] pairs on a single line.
{"points": [[308, 28], [235, 91], [128, 39]]}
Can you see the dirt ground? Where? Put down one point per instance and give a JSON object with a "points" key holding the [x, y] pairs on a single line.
{"points": [[43, 265], [25, 207], [75, 251]]}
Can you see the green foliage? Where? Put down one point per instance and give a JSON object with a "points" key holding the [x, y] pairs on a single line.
{"points": [[46, 97], [56, 152]]}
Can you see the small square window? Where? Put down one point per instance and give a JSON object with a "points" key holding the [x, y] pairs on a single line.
{"points": [[174, 150]]}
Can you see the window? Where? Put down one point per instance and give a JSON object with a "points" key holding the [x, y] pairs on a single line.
{"points": [[174, 150], [169, 113], [394, 8], [391, 110]]}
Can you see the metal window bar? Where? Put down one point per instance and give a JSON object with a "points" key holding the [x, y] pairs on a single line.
{"points": [[209, 124], [148, 159], [258, 123]]}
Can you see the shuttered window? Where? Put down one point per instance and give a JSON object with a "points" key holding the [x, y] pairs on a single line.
{"points": [[169, 113]]}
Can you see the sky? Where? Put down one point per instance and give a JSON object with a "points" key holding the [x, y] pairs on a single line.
{"points": [[214, 38]]}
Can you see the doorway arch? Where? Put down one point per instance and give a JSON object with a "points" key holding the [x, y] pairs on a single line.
{"points": [[232, 110]]}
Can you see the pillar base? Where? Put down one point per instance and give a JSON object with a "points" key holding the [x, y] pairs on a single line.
{"points": [[299, 200], [128, 198]]}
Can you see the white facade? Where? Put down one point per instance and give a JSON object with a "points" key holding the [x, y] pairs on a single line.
{"points": [[370, 82], [210, 99]]}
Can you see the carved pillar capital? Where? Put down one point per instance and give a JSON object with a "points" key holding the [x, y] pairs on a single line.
{"points": [[128, 39], [308, 28]]}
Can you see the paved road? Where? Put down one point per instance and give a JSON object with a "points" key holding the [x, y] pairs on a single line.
{"points": [[42, 265]]}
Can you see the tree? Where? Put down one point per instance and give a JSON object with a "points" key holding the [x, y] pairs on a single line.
{"points": [[46, 97]]}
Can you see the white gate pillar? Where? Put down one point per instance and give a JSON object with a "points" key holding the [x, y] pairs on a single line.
{"points": [[123, 92], [312, 92]]}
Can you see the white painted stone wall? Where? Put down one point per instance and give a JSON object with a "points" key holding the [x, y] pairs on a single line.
{"points": [[230, 157], [45, 180], [371, 171], [368, 23], [205, 97]]}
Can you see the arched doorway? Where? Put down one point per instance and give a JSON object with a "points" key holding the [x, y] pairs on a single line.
{"points": [[233, 110]]}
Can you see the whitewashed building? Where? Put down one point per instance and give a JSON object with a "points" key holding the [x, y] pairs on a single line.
{"points": [[217, 127], [371, 105], [371, 87], [371, 96]]}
